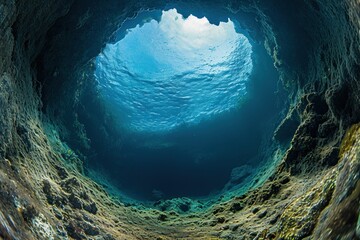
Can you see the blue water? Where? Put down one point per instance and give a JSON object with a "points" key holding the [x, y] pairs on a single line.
{"points": [[173, 72], [192, 100]]}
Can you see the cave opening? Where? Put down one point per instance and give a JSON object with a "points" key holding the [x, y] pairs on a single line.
{"points": [[195, 103], [175, 71]]}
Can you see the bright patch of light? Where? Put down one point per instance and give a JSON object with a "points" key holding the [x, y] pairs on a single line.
{"points": [[175, 71]]}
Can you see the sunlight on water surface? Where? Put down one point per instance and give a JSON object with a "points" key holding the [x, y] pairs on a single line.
{"points": [[175, 71]]}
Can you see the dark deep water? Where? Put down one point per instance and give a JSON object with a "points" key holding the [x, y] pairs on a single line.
{"points": [[190, 111]]}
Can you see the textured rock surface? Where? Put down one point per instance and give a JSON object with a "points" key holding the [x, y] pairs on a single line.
{"points": [[314, 193]]}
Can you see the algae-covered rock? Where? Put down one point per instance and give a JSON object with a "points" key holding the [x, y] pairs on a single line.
{"points": [[314, 193]]}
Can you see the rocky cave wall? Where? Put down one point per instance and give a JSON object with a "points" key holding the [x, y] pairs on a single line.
{"points": [[315, 46], [23, 29]]}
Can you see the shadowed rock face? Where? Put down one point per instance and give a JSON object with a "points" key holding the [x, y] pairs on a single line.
{"points": [[313, 192]]}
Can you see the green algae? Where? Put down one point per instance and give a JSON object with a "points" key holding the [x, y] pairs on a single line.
{"points": [[349, 139]]}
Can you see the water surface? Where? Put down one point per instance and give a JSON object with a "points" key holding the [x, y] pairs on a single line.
{"points": [[175, 71]]}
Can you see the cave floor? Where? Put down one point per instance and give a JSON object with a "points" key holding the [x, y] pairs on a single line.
{"points": [[285, 207]]}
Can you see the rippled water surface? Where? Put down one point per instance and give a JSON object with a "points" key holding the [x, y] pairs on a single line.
{"points": [[173, 72]]}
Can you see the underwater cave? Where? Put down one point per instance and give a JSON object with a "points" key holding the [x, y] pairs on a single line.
{"points": [[201, 119]]}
